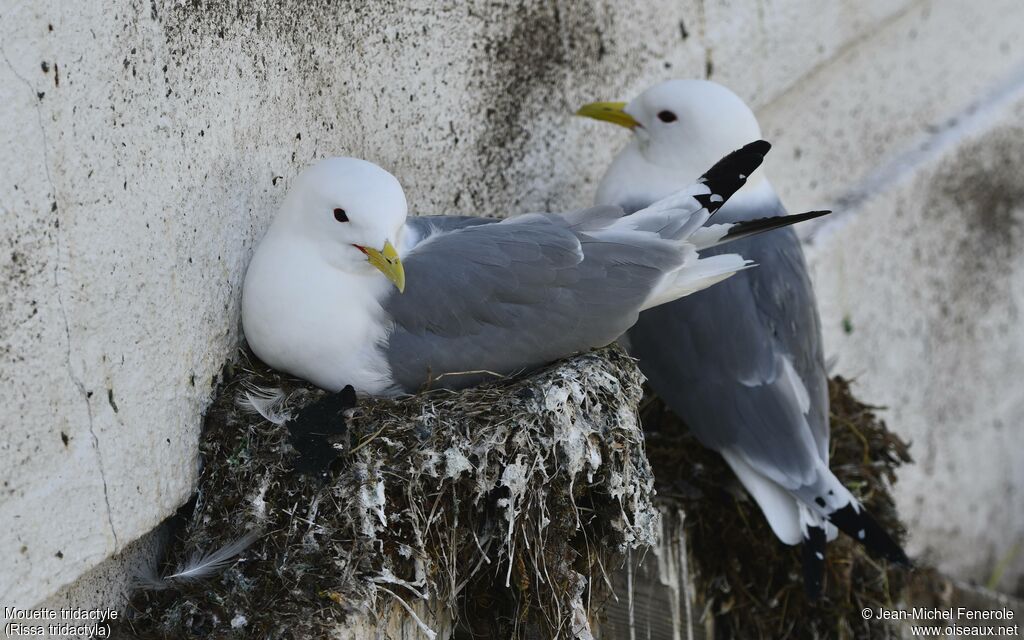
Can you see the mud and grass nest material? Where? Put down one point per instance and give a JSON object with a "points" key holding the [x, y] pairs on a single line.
{"points": [[502, 506], [505, 508], [747, 583]]}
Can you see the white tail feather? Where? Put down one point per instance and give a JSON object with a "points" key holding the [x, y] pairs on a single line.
{"points": [[710, 235], [691, 278], [809, 518], [777, 504]]}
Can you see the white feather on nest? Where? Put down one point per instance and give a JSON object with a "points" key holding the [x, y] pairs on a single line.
{"points": [[268, 402], [199, 566]]}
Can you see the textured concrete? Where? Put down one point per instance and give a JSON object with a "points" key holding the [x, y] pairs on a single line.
{"points": [[109, 583], [915, 77], [149, 142], [914, 138], [922, 285]]}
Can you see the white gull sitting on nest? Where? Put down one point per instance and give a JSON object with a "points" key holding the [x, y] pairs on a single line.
{"points": [[344, 289]]}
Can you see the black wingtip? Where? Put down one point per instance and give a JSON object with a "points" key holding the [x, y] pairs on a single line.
{"points": [[746, 228], [813, 559], [863, 528], [731, 172]]}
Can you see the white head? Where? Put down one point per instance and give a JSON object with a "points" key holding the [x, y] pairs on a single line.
{"points": [[352, 212], [682, 126]]}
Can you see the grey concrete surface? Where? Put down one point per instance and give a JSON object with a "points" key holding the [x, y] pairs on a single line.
{"points": [[922, 284], [148, 143]]}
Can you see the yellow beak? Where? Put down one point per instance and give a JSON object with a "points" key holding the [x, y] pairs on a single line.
{"points": [[613, 112], [388, 262]]}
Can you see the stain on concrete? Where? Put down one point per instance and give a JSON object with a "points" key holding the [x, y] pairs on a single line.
{"points": [[514, 61], [525, 60], [980, 191], [22, 267], [528, 65]]}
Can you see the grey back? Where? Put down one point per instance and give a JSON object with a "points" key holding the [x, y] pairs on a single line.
{"points": [[505, 297], [715, 356]]}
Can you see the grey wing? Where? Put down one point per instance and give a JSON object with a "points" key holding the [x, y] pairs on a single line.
{"points": [[424, 226], [725, 359], [514, 295], [589, 218]]}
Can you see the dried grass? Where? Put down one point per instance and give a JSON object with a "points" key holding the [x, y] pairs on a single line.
{"points": [[505, 507], [749, 584], [500, 505]]}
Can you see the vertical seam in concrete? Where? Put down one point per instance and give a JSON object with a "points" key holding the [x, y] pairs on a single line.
{"points": [[75, 379]]}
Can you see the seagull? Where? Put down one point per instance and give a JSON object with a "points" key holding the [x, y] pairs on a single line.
{"points": [[741, 363], [346, 289]]}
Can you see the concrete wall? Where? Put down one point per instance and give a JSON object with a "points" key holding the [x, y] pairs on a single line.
{"points": [[147, 143]]}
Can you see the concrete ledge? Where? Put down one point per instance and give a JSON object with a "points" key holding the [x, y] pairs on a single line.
{"points": [[150, 142]]}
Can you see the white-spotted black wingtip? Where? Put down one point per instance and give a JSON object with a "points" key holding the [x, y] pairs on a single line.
{"points": [[812, 554], [730, 173], [859, 525]]}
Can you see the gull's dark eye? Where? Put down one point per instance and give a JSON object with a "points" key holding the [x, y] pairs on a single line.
{"points": [[340, 215], [667, 116]]}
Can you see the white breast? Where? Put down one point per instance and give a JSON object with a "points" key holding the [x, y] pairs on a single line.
{"points": [[314, 321]]}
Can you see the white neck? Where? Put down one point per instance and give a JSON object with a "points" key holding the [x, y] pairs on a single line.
{"points": [[314, 321], [632, 180]]}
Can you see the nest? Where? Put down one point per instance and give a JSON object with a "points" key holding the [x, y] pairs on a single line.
{"points": [[749, 584], [494, 512], [498, 507]]}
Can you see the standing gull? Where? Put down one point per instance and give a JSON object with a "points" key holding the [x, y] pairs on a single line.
{"points": [[742, 362], [323, 296]]}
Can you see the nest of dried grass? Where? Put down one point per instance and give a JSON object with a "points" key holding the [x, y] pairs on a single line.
{"points": [[501, 506], [748, 584], [500, 510]]}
